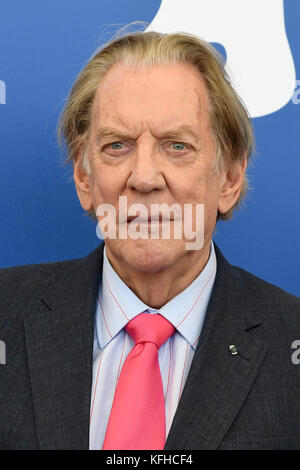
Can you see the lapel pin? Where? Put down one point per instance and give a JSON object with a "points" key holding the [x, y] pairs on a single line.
{"points": [[233, 349]]}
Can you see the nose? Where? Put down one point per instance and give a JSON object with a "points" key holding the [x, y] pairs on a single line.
{"points": [[146, 174]]}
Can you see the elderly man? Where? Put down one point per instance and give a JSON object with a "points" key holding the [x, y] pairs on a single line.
{"points": [[148, 344]]}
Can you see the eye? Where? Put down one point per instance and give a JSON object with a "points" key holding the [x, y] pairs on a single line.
{"points": [[178, 146], [116, 145], [178, 149], [117, 148]]}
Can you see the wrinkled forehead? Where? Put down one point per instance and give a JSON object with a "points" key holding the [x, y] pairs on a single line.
{"points": [[161, 93]]}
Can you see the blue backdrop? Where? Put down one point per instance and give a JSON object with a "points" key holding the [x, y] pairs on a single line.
{"points": [[43, 47]]}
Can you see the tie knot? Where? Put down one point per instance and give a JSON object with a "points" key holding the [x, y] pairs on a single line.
{"points": [[153, 328]]}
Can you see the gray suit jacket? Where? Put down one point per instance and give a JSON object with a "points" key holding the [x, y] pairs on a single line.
{"points": [[250, 400]]}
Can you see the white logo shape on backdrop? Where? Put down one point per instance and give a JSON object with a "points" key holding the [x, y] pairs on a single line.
{"points": [[259, 59], [2, 92]]}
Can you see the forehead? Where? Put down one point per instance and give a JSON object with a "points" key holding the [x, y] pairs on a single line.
{"points": [[160, 94]]}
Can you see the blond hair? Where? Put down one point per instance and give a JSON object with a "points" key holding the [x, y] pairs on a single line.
{"points": [[229, 119]]}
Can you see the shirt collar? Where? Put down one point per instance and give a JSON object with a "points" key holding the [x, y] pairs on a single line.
{"points": [[117, 304]]}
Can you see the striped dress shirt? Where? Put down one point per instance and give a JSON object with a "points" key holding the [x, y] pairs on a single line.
{"points": [[116, 305]]}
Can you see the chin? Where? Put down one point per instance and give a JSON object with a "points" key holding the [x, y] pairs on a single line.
{"points": [[149, 255]]}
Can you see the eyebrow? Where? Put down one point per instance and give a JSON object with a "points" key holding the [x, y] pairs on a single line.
{"points": [[175, 133], [179, 132], [110, 132]]}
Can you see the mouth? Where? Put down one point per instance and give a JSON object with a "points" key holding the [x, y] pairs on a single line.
{"points": [[149, 220]]}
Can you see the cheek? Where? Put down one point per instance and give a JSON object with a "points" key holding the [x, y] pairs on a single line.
{"points": [[212, 204], [105, 187], [213, 191], [198, 187], [206, 191]]}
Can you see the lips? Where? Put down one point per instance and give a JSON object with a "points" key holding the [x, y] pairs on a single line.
{"points": [[149, 220]]}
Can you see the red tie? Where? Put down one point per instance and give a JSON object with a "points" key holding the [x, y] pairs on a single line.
{"points": [[137, 418]]}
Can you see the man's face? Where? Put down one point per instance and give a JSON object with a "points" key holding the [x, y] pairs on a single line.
{"points": [[151, 141]]}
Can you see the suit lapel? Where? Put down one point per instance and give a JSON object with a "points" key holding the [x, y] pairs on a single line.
{"points": [[218, 381], [59, 340]]}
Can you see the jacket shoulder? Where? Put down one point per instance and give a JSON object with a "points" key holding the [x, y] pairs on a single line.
{"points": [[249, 286], [19, 284], [269, 298]]}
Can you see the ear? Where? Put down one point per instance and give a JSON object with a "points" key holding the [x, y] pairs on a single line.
{"points": [[82, 183], [231, 184]]}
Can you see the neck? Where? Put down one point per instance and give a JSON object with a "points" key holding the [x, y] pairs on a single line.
{"points": [[155, 289]]}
